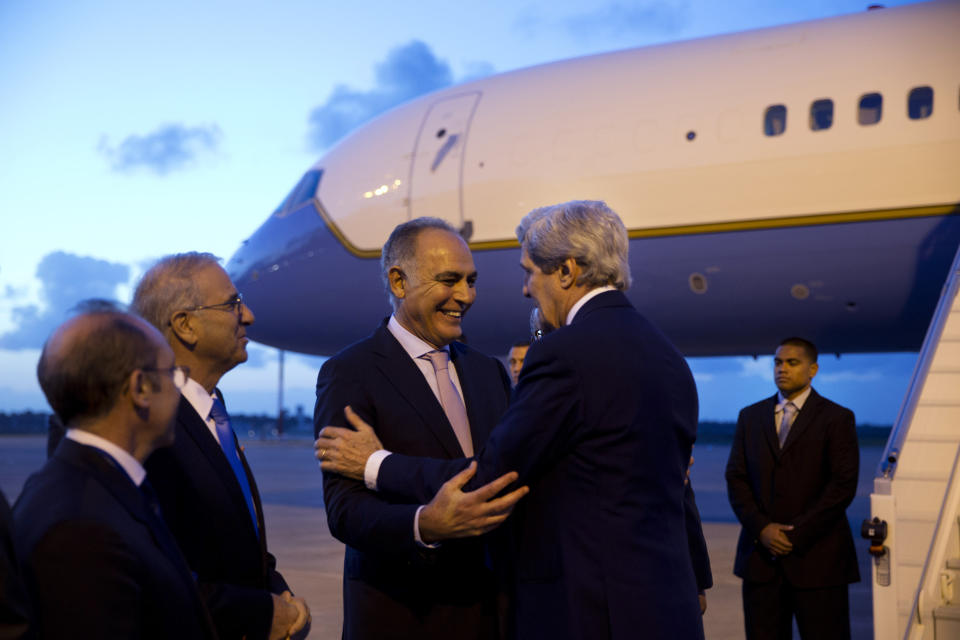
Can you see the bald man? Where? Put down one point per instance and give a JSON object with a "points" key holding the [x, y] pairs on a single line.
{"points": [[98, 560]]}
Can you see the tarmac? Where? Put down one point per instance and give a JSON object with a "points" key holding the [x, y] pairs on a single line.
{"points": [[311, 560]]}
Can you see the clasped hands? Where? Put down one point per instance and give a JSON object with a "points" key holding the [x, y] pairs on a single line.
{"points": [[774, 538], [452, 513]]}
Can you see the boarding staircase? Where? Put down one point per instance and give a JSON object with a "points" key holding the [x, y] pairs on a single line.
{"points": [[916, 583]]}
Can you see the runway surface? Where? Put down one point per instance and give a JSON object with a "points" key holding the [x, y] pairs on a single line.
{"points": [[312, 560]]}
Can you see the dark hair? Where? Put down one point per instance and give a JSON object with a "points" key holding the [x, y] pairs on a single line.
{"points": [[400, 248], [83, 378], [523, 342], [806, 345]]}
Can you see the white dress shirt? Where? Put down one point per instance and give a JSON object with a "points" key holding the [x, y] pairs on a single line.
{"points": [[781, 402], [202, 402]]}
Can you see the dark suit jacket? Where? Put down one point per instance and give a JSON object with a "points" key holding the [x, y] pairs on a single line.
{"points": [[97, 563], [600, 427], [392, 586], [696, 543], [205, 508], [809, 484], [15, 610]]}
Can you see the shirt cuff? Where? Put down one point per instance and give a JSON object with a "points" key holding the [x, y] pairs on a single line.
{"points": [[416, 530], [372, 469]]}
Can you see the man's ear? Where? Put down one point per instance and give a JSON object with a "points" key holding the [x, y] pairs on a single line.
{"points": [[140, 388], [568, 272], [813, 369], [398, 281], [184, 328]]}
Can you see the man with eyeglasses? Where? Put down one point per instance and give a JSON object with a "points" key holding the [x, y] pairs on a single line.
{"points": [[205, 487], [98, 560]]}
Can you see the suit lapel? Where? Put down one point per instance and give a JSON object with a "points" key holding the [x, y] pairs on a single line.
{"points": [[803, 420], [768, 424], [114, 479], [199, 432], [404, 375]]}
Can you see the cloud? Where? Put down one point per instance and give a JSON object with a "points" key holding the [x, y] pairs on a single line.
{"points": [[11, 292], [761, 367], [65, 279], [170, 147], [614, 19], [409, 71]]}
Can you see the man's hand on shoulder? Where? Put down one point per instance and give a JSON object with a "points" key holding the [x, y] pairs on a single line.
{"points": [[345, 451], [454, 513], [773, 538]]}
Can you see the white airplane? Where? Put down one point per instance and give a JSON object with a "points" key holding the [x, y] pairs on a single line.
{"points": [[800, 179], [803, 179]]}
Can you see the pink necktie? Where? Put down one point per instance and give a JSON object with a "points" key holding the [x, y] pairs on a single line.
{"points": [[789, 412], [450, 400]]}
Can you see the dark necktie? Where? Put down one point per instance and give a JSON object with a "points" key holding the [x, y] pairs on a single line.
{"points": [[228, 442], [450, 400]]}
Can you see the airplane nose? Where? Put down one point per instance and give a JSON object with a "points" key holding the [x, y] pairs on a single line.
{"points": [[296, 261]]}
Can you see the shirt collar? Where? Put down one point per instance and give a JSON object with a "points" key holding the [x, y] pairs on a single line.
{"points": [[127, 462], [797, 402], [593, 293], [413, 345], [197, 396]]}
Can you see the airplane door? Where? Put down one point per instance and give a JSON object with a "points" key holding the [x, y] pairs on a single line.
{"points": [[437, 167]]}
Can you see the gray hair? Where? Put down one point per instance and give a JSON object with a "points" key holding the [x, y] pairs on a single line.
{"points": [[587, 231], [169, 286], [400, 248]]}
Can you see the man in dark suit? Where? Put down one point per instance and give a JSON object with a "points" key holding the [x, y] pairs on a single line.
{"points": [[207, 491], [601, 426], [426, 394], [792, 473], [15, 609], [98, 560]]}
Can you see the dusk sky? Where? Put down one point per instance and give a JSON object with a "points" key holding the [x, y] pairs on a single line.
{"points": [[134, 130]]}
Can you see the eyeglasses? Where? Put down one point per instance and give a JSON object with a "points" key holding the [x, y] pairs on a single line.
{"points": [[179, 374], [234, 304]]}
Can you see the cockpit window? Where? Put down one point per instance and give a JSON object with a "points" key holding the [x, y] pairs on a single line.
{"points": [[775, 120], [920, 103], [871, 108], [304, 191], [821, 114]]}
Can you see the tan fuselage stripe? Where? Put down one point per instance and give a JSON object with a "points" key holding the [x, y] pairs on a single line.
{"points": [[694, 229]]}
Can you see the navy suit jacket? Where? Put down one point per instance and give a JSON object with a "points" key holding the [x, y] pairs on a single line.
{"points": [[600, 427], [809, 484], [205, 508], [97, 563], [392, 586], [15, 610]]}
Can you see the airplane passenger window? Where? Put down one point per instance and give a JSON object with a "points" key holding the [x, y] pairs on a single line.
{"points": [[821, 114], [920, 103], [871, 108], [775, 120]]}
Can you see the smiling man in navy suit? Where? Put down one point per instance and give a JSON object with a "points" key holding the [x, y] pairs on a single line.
{"points": [[601, 426], [426, 394], [207, 490], [792, 473]]}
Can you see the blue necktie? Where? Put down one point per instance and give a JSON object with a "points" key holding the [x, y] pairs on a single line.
{"points": [[228, 443]]}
